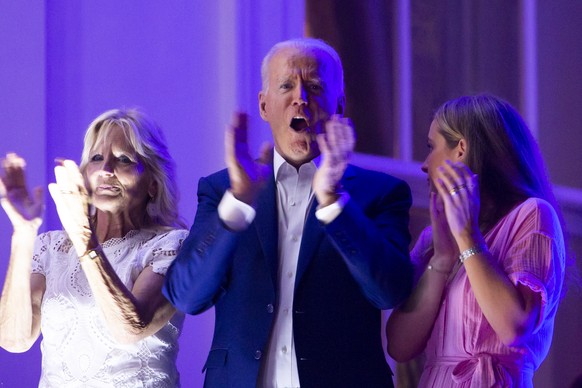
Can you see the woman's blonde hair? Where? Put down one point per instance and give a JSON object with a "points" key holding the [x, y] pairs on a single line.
{"points": [[507, 159], [500, 150], [149, 143]]}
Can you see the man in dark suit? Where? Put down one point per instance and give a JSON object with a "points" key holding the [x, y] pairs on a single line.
{"points": [[298, 251]]}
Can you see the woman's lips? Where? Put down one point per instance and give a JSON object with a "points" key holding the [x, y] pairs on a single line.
{"points": [[108, 189]]}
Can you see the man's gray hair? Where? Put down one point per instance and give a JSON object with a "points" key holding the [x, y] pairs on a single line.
{"points": [[305, 44]]}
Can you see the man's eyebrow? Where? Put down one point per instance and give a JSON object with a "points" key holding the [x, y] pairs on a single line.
{"points": [[283, 78]]}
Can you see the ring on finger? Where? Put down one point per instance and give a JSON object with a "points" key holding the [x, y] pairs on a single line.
{"points": [[455, 190]]}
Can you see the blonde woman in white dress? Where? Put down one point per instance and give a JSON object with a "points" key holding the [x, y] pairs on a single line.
{"points": [[93, 289]]}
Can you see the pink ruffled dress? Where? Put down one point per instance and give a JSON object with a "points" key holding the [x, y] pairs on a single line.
{"points": [[463, 350]]}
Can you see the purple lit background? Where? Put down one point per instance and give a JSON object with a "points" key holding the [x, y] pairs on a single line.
{"points": [[190, 64]]}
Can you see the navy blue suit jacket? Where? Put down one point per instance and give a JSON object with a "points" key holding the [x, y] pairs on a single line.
{"points": [[347, 272]]}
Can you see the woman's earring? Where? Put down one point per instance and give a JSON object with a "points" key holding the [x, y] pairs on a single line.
{"points": [[152, 208]]}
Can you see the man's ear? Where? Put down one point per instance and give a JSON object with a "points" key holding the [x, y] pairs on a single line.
{"points": [[461, 150], [341, 105], [262, 105]]}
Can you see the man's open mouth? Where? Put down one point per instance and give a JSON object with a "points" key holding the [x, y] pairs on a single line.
{"points": [[299, 124]]}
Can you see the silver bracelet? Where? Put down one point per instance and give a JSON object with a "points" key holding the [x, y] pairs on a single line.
{"points": [[472, 252]]}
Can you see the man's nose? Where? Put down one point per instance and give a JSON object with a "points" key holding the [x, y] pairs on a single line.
{"points": [[301, 96]]}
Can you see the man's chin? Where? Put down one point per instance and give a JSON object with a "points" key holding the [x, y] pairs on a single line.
{"points": [[297, 157]]}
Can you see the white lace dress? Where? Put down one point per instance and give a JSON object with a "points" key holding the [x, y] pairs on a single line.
{"points": [[77, 349]]}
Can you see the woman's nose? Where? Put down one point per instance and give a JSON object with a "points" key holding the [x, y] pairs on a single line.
{"points": [[107, 168], [424, 167]]}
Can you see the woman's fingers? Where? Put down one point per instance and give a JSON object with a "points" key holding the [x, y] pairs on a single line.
{"points": [[75, 175], [69, 178], [21, 207], [454, 180], [55, 193], [70, 197], [458, 188], [13, 166], [62, 200]]}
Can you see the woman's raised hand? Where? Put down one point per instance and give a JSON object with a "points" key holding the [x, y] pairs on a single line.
{"points": [[23, 209], [459, 189], [72, 201], [445, 248]]}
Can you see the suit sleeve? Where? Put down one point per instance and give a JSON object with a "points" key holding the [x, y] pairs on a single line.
{"points": [[198, 276], [374, 241]]}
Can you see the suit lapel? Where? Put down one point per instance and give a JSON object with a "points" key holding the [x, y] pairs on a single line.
{"points": [[314, 233], [267, 226]]}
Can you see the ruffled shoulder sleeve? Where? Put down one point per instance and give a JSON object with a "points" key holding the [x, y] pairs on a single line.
{"points": [[162, 249], [536, 255]]}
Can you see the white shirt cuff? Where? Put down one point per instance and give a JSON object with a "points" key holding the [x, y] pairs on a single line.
{"points": [[329, 213], [235, 214]]}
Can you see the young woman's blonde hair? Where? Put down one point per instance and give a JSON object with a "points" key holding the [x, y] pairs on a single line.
{"points": [[505, 156], [500, 150]]}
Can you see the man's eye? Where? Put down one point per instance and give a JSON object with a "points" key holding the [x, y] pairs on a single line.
{"points": [[286, 86], [96, 158]]}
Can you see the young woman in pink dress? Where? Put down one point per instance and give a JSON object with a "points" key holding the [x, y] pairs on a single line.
{"points": [[490, 268]]}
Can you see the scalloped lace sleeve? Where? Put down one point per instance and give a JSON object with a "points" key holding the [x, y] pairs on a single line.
{"points": [[164, 249]]}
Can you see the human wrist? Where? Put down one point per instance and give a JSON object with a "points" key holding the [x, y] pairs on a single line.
{"points": [[92, 254], [472, 251], [26, 231], [469, 238], [327, 198], [471, 243], [441, 264], [327, 214], [444, 262], [85, 243], [329, 195], [245, 193], [436, 268]]}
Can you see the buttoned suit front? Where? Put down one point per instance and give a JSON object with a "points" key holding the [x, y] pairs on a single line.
{"points": [[348, 270]]}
